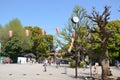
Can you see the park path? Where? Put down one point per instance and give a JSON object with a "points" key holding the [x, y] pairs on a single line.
{"points": [[36, 72]]}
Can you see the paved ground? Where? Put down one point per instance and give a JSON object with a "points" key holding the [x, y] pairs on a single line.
{"points": [[35, 72]]}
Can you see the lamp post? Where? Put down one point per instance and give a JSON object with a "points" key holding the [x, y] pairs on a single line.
{"points": [[75, 20]]}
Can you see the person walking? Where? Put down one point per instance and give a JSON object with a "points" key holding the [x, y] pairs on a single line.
{"points": [[45, 65]]}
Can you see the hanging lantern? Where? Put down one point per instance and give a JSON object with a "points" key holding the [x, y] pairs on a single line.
{"points": [[10, 33], [72, 40], [71, 45], [27, 32], [43, 32], [74, 34], [57, 30]]}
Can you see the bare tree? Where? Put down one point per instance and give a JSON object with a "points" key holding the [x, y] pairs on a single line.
{"points": [[101, 20]]}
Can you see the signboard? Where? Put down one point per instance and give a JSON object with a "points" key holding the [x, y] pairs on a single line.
{"points": [[22, 59]]}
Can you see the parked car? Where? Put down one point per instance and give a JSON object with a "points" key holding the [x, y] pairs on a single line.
{"points": [[65, 61]]}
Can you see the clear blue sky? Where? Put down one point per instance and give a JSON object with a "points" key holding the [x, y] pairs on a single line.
{"points": [[49, 14]]}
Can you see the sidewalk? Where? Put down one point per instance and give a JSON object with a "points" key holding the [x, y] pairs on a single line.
{"points": [[36, 72], [33, 72]]}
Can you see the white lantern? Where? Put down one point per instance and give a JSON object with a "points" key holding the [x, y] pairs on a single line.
{"points": [[43, 32], [57, 30], [71, 45], [72, 40], [74, 34], [10, 33], [27, 32]]}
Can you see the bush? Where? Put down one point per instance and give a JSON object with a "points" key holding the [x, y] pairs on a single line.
{"points": [[82, 64], [72, 64]]}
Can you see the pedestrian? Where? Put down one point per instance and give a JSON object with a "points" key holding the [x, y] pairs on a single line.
{"points": [[57, 63], [45, 64], [20, 61], [94, 68], [49, 61]]}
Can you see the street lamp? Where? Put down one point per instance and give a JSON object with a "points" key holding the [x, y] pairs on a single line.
{"points": [[75, 20]]}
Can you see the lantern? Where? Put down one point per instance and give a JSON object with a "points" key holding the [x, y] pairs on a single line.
{"points": [[27, 32], [10, 33], [71, 45], [57, 30], [43, 32], [72, 40], [74, 34]]}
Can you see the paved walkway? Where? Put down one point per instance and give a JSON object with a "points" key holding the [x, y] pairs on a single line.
{"points": [[36, 72]]}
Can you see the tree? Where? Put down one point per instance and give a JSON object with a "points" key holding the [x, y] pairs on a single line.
{"points": [[41, 44], [18, 34], [66, 35], [18, 31], [16, 27], [13, 49], [104, 35], [37, 43], [114, 41], [1, 29]]}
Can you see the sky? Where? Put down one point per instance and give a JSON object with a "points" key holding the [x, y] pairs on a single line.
{"points": [[50, 14]]}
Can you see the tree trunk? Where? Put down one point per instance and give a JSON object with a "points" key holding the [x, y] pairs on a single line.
{"points": [[105, 65]]}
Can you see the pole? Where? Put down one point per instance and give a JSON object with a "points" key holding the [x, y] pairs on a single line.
{"points": [[76, 65], [75, 20], [65, 68], [76, 54], [91, 69]]}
